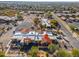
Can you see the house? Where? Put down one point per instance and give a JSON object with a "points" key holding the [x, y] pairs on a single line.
{"points": [[26, 40], [59, 14], [63, 18], [17, 35], [45, 22], [35, 12], [8, 18], [24, 30], [31, 34], [66, 11], [71, 18]]}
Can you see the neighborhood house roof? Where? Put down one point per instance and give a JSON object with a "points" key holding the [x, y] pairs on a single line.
{"points": [[23, 30], [31, 34], [45, 21], [71, 18], [63, 18], [7, 18]]}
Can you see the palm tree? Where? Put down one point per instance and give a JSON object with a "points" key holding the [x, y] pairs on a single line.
{"points": [[75, 52]]}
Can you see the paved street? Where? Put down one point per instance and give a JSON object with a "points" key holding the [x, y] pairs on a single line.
{"points": [[5, 38], [73, 41]]}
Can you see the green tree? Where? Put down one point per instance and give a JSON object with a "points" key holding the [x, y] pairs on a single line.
{"points": [[63, 53], [19, 16], [52, 48], [75, 52], [53, 26], [54, 23], [36, 21], [49, 14], [72, 27], [34, 50], [2, 54]]}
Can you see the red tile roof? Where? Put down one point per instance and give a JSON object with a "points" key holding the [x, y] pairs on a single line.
{"points": [[46, 38], [23, 30]]}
